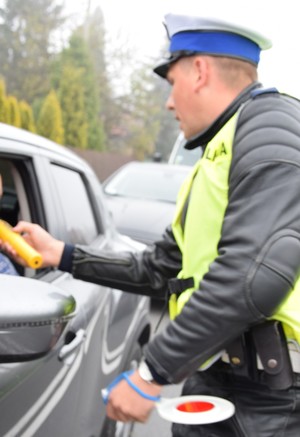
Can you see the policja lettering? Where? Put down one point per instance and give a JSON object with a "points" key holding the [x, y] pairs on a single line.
{"points": [[213, 153]]}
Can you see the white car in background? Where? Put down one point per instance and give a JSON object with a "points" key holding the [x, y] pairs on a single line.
{"points": [[142, 197], [181, 156]]}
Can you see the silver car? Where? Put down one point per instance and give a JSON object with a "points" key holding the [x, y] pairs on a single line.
{"points": [[62, 340], [142, 197], [181, 156]]}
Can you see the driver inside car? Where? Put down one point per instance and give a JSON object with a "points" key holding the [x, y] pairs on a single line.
{"points": [[6, 266]]}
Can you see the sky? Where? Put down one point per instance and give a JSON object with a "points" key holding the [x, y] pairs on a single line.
{"points": [[140, 23]]}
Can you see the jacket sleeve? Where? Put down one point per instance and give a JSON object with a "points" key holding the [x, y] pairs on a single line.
{"points": [[145, 272], [259, 251]]}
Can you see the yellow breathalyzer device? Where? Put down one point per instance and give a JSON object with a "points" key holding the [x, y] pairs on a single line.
{"points": [[23, 249]]}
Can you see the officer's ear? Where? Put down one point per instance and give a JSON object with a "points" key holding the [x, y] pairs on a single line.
{"points": [[202, 68]]}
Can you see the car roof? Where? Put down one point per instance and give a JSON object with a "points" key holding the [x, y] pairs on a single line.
{"points": [[42, 144]]}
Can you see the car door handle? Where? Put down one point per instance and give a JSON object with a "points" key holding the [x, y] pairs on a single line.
{"points": [[67, 352]]}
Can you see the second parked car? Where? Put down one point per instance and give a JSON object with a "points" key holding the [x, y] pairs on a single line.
{"points": [[181, 156], [142, 198]]}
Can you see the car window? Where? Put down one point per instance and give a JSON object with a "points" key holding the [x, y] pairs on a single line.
{"points": [[75, 205], [182, 156], [20, 196], [9, 204], [18, 201]]}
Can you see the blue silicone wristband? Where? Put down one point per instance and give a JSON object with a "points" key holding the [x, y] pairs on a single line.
{"points": [[139, 391], [125, 375]]}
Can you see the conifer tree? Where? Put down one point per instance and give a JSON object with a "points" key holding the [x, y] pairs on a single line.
{"points": [[3, 102], [13, 115], [77, 57], [26, 29], [95, 38], [49, 123], [27, 118], [73, 109]]}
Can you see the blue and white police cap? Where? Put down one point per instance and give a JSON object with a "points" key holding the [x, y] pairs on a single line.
{"points": [[191, 35]]}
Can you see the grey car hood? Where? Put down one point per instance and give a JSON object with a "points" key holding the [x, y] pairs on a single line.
{"points": [[143, 220]]}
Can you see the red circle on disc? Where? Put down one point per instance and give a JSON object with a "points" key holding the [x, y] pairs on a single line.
{"points": [[195, 407]]}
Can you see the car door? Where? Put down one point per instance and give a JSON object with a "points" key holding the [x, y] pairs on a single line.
{"points": [[33, 391], [113, 318], [59, 394]]}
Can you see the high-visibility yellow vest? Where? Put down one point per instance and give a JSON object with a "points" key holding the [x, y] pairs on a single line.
{"points": [[206, 191]]}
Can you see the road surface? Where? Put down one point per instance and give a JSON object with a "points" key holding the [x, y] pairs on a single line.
{"points": [[156, 426]]}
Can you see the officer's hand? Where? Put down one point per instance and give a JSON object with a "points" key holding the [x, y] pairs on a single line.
{"points": [[126, 405], [50, 248]]}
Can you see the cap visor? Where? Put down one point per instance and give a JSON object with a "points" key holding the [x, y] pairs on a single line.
{"points": [[162, 69]]}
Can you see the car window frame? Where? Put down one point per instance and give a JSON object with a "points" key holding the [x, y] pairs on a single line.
{"points": [[97, 219]]}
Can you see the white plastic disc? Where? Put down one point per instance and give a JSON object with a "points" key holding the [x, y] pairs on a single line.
{"points": [[195, 410]]}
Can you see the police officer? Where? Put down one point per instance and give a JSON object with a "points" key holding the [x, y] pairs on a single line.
{"points": [[231, 258]]}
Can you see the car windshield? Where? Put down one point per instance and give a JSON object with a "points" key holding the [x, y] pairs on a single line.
{"points": [[182, 156], [187, 157], [160, 184]]}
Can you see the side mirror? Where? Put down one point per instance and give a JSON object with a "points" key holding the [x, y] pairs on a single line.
{"points": [[33, 314]]}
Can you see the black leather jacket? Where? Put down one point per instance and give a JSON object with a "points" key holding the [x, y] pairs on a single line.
{"points": [[259, 250]]}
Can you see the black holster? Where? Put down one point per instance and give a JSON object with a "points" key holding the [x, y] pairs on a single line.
{"points": [[267, 341], [272, 348]]}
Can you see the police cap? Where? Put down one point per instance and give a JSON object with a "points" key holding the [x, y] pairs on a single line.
{"points": [[190, 35]]}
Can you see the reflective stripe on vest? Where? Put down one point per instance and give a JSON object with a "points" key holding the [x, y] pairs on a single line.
{"points": [[206, 191]]}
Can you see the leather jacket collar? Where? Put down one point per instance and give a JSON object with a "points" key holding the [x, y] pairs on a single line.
{"points": [[205, 136]]}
